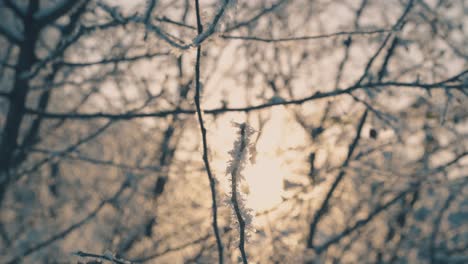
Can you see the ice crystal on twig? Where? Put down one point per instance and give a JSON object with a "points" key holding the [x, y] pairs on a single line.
{"points": [[239, 156]]}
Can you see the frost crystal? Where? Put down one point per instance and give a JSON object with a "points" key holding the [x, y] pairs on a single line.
{"points": [[241, 150], [240, 153]]}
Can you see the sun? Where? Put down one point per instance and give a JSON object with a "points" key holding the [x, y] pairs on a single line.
{"points": [[264, 178], [265, 181]]}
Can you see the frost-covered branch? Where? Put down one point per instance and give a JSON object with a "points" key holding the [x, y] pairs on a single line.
{"points": [[239, 155]]}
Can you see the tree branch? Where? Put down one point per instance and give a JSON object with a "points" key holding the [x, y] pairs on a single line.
{"points": [[211, 178], [70, 229], [49, 15], [318, 215], [13, 37], [316, 96], [108, 257], [20, 12], [302, 38]]}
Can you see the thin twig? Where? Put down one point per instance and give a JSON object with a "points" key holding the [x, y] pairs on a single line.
{"points": [[302, 38], [321, 211], [437, 224], [211, 178], [103, 257], [256, 17], [71, 228], [315, 96]]}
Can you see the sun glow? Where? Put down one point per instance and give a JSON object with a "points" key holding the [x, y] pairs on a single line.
{"points": [[264, 178], [265, 181]]}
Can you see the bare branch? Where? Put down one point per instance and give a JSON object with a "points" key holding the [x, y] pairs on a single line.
{"points": [[206, 161], [437, 223], [256, 17], [170, 21], [18, 10], [203, 35], [62, 234], [12, 36], [360, 223], [49, 15], [172, 249], [316, 96], [320, 212], [302, 38], [115, 60], [5, 94], [108, 257]]}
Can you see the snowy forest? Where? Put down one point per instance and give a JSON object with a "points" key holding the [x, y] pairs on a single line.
{"points": [[233, 131]]}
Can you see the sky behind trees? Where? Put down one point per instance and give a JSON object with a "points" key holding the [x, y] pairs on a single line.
{"points": [[269, 131]]}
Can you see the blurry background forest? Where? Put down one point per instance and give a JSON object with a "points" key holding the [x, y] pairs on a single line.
{"points": [[117, 119]]}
